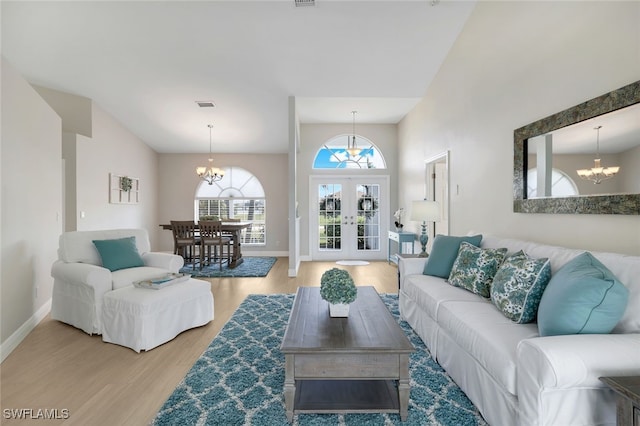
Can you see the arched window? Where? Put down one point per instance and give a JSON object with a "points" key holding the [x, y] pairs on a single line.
{"points": [[333, 155], [238, 195], [561, 184]]}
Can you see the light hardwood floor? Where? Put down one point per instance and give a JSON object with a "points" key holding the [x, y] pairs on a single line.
{"points": [[60, 367]]}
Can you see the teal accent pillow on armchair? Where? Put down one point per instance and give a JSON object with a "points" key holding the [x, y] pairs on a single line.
{"points": [[444, 252], [118, 254], [583, 297]]}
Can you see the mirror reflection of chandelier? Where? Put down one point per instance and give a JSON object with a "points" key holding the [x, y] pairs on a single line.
{"points": [[598, 173], [352, 148], [209, 173]]}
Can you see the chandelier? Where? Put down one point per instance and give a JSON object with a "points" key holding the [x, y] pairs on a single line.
{"points": [[598, 173], [209, 173], [352, 148]]}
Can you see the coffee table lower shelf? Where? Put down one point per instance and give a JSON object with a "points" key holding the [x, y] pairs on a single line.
{"points": [[346, 396]]}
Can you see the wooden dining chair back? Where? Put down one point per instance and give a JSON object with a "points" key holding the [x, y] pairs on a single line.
{"points": [[186, 240], [216, 247]]}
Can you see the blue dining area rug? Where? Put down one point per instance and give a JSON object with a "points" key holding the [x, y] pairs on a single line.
{"points": [[250, 267]]}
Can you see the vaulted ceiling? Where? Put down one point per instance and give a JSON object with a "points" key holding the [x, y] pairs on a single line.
{"points": [[147, 63]]}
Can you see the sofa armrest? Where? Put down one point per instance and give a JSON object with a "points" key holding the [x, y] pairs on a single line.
{"points": [[83, 274], [577, 360], [168, 261], [410, 266], [549, 367]]}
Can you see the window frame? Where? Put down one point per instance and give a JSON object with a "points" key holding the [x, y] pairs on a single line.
{"points": [[337, 149], [256, 235]]}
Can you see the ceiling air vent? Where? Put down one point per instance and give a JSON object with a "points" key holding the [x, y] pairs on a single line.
{"points": [[305, 3], [205, 104]]}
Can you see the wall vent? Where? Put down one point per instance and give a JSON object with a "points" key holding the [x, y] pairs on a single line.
{"points": [[305, 3], [205, 104]]}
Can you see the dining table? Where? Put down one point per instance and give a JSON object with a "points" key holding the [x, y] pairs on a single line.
{"points": [[234, 229]]}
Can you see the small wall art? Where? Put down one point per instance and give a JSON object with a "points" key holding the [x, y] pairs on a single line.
{"points": [[123, 189]]}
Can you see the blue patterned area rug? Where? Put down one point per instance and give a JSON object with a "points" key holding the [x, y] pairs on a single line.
{"points": [[250, 267], [240, 377]]}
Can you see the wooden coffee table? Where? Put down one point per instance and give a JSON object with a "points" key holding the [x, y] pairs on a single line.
{"points": [[358, 364]]}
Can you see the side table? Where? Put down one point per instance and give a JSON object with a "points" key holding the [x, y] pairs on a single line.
{"points": [[400, 238], [628, 405], [406, 256]]}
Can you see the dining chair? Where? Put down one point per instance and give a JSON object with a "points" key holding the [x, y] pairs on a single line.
{"points": [[212, 238], [186, 241], [229, 234]]}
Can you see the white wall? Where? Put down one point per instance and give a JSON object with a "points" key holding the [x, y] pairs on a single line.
{"points": [[31, 206], [94, 145], [515, 63], [114, 149], [312, 136], [178, 183]]}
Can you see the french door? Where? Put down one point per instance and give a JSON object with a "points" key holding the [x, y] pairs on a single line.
{"points": [[349, 217]]}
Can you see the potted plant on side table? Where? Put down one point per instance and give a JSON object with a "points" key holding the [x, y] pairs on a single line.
{"points": [[337, 288]]}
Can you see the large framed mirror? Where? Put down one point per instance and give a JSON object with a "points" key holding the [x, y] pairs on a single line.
{"points": [[555, 167]]}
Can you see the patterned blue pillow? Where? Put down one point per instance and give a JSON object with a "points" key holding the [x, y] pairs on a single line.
{"points": [[518, 286], [474, 268]]}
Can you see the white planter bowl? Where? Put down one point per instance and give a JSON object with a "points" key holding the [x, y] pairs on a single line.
{"points": [[339, 310]]}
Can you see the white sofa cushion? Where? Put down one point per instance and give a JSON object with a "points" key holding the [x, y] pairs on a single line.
{"points": [[487, 335], [430, 292]]}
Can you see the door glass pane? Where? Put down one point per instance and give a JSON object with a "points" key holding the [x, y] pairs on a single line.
{"points": [[368, 197], [329, 216]]}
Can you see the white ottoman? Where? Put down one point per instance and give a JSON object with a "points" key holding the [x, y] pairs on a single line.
{"points": [[142, 319]]}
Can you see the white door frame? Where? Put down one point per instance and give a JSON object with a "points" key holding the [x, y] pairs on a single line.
{"points": [[437, 189], [383, 208]]}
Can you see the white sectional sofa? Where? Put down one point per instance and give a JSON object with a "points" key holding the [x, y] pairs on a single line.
{"points": [[97, 300], [514, 376]]}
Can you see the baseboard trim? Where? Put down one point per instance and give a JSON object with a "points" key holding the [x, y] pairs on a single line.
{"points": [[249, 253], [21, 333], [293, 272]]}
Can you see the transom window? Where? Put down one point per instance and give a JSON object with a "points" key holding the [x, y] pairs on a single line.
{"points": [[333, 155], [238, 195]]}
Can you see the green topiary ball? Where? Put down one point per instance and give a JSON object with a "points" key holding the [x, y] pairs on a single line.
{"points": [[336, 286]]}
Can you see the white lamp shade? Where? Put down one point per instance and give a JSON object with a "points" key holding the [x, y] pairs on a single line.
{"points": [[424, 210]]}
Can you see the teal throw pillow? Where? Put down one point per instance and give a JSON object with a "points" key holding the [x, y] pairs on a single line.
{"points": [[583, 297], [119, 253], [474, 268], [518, 285], [444, 252]]}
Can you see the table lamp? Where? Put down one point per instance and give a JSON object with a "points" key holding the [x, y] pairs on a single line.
{"points": [[423, 211]]}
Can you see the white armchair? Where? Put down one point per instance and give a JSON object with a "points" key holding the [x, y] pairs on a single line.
{"points": [[80, 281]]}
